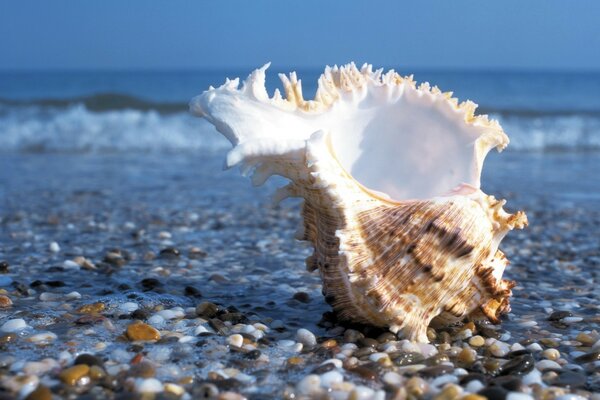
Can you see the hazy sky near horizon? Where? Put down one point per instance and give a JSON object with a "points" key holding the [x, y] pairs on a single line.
{"points": [[117, 34]]}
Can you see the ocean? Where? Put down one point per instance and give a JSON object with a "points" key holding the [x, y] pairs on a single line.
{"points": [[125, 111], [117, 223]]}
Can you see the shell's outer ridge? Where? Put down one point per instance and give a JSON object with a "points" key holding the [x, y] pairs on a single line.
{"points": [[401, 264]]}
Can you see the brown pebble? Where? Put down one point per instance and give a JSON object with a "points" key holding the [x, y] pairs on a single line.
{"points": [[141, 331], [97, 373], [364, 373], [473, 397], [5, 301], [40, 393], [144, 369], [207, 310], [11, 337], [295, 361], [72, 375], [94, 308], [302, 297]]}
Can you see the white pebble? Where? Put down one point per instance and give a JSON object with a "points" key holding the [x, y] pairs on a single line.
{"points": [[570, 397], [571, 320], [330, 378], [535, 376], [150, 385], [547, 364], [499, 349], [200, 329], [517, 347], [534, 347], [527, 324], [128, 307], [393, 379], [235, 340], [69, 264], [309, 385], [440, 381], [334, 361], [42, 338], [518, 396], [306, 337], [474, 386], [378, 356], [47, 296], [156, 320], [362, 393], [14, 325], [185, 339], [73, 295], [428, 350], [54, 247], [167, 314], [410, 347]]}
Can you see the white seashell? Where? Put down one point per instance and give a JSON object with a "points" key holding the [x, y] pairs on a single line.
{"points": [[390, 175]]}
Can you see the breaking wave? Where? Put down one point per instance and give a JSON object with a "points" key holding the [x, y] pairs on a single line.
{"points": [[115, 122]]}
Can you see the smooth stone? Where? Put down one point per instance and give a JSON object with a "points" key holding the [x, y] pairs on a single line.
{"points": [[94, 308], [587, 358], [40, 393], [88, 359], [207, 310], [551, 354], [477, 341], [143, 369], [570, 379], [309, 385], [306, 337], [558, 315], [5, 301], [139, 331], [71, 376], [330, 378], [493, 393], [430, 372], [499, 349], [42, 338], [235, 340], [518, 396], [518, 365], [128, 307], [14, 325], [54, 247], [547, 364], [149, 385], [393, 379], [407, 358]]}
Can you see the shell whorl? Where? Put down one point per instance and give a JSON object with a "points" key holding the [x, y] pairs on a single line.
{"points": [[401, 264]]}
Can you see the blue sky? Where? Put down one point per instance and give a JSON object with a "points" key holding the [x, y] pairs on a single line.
{"points": [[130, 34]]}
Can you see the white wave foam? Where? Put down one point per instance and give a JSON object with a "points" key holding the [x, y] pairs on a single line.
{"points": [[76, 129]]}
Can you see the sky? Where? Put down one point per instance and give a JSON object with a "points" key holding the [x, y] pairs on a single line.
{"points": [[145, 34]]}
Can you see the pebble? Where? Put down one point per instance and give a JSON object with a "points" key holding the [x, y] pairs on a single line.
{"points": [[72, 375], [571, 320], [477, 341], [5, 301], [54, 247], [547, 364], [42, 338], [40, 393], [139, 331], [235, 340], [128, 307], [309, 385], [14, 325], [306, 337], [518, 365], [499, 349], [393, 378], [148, 385], [330, 378], [551, 354]]}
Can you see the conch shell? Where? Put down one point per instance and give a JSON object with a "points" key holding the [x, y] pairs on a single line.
{"points": [[390, 176]]}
